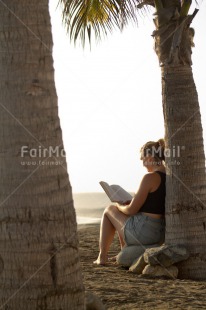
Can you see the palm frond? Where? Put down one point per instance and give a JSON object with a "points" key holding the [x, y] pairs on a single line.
{"points": [[82, 17]]}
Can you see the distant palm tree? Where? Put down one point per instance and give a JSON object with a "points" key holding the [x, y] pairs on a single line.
{"points": [[39, 260], [186, 182]]}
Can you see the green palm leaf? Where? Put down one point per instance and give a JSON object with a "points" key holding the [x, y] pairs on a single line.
{"points": [[82, 17], [101, 16]]}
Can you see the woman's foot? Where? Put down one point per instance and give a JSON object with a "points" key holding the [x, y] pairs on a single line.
{"points": [[100, 260]]}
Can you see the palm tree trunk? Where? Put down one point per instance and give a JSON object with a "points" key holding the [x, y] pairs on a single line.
{"points": [[39, 259], [185, 159], [186, 186]]}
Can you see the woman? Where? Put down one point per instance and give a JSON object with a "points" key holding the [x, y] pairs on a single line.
{"points": [[142, 221]]}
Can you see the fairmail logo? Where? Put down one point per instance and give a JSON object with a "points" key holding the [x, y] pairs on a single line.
{"points": [[42, 152]]}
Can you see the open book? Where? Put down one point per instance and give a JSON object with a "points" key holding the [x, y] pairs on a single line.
{"points": [[116, 193]]}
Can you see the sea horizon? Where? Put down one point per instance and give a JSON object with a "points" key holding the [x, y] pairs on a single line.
{"points": [[87, 220], [89, 206]]}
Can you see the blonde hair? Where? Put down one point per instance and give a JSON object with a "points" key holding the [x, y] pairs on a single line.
{"points": [[154, 149]]}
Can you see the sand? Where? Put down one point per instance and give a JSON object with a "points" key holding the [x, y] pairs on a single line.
{"points": [[120, 289]]}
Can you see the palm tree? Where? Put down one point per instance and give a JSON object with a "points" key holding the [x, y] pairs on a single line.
{"points": [[39, 260], [173, 36]]}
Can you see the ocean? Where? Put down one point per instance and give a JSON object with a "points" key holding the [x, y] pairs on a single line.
{"points": [[90, 206]]}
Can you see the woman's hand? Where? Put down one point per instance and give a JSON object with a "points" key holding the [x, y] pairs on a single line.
{"points": [[125, 203], [123, 208]]}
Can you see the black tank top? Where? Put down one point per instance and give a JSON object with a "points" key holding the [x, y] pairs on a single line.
{"points": [[155, 201]]}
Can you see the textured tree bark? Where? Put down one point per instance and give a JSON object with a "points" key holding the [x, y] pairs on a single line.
{"points": [[185, 159], [39, 260], [186, 186]]}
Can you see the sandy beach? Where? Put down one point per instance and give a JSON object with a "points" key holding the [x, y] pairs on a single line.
{"points": [[120, 289]]}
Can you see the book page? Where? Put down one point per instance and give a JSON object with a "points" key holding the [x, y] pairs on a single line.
{"points": [[116, 193]]}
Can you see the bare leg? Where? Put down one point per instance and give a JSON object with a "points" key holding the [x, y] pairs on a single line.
{"points": [[112, 220], [121, 240], [107, 232]]}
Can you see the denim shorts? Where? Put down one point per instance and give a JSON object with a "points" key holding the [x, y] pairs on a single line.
{"points": [[143, 229]]}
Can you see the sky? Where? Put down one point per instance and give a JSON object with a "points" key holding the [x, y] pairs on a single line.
{"points": [[110, 100]]}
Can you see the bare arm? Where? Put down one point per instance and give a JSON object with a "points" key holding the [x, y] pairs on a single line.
{"points": [[140, 196]]}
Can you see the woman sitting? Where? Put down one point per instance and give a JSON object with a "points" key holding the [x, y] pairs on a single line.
{"points": [[142, 221]]}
